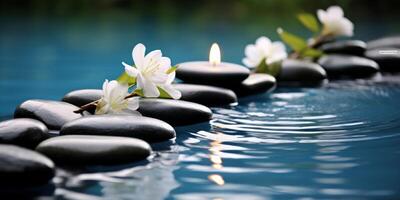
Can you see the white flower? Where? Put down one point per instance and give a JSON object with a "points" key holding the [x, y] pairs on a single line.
{"points": [[113, 99], [264, 49], [151, 72], [334, 22]]}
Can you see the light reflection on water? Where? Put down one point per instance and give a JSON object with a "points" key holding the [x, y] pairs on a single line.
{"points": [[341, 143]]}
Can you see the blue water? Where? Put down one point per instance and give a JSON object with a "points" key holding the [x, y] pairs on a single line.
{"points": [[338, 141]]}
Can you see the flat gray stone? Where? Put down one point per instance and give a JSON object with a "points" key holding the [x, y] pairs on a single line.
{"points": [[145, 128], [256, 84], [342, 66], [388, 59], [53, 114], [94, 150], [301, 73], [206, 95], [174, 112], [23, 167], [23, 132], [349, 47]]}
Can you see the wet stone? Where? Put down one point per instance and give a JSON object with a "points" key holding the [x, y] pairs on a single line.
{"points": [[23, 132], [23, 167], [206, 95], [350, 47], [174, 112], [342, 66], [145, 128], [94, 150], [388, 59], [256, 84], [301, 73], [53, 114]]}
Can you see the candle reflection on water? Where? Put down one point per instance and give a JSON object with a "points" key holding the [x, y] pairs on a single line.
{"points": [[216, 160]]}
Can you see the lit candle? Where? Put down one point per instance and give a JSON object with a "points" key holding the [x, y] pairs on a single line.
{"points": [[214, 72]]}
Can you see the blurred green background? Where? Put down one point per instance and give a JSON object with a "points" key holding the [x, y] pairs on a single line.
{"points": [[49, 47]]}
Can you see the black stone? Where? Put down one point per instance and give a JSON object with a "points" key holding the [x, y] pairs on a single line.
{"points": [[255, 84], [385, 42], [350, 47], [203, 73], [342, 66], [82, 97], [174, 112], [94, 150], [145, 128], [388, 59], [23, 132], [301, 73], [52, 113], [206, 95], [23, 167]]}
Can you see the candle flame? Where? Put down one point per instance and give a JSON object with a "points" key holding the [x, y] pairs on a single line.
{"points": [[215, 54]]}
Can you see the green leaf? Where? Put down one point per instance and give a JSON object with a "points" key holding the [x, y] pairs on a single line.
{"points": [[124, 78], [163, 93], [272, 69], [295, 42], [172, 69], [309, 21], [310, 52], [139, 92]]}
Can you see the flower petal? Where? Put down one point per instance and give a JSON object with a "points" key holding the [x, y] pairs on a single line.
{"points": [[263, 41], [174, 93], [149, 88], [138, 55], [151, 59], [321, 15], [133, 103], [335, 11], [131, 71]]}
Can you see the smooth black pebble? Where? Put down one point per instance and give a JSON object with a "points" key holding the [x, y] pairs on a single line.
{"points": [[203, 73], [82, 97], [349, 47], [206, 95], [388, 59], [301, 73], [256, 84], [145, 128], [342, 66], [174, 112], [23, 132], [23, 167], [385, 42], [94, 150], [52, 113]]}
